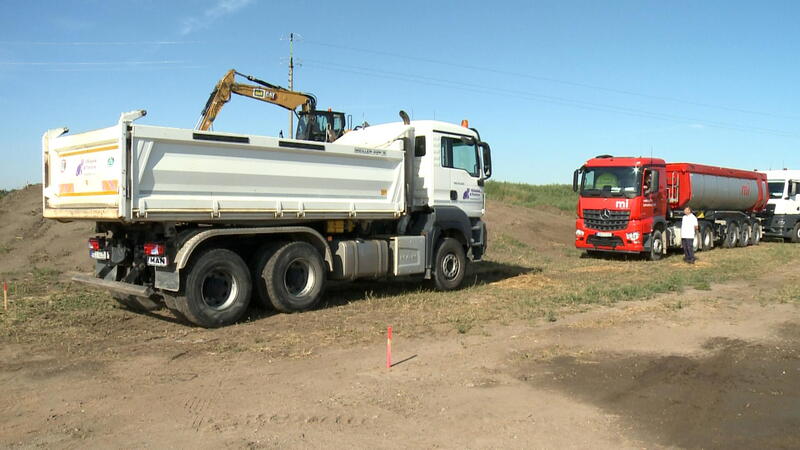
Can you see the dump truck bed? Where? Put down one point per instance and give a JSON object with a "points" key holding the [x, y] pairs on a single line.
{"points": [[140, 173]]}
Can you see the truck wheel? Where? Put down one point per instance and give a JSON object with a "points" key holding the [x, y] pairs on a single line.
{"points": [[258, 262], [294, 277], [217, 291], [656, 247], [731, 235], [756, 238], [745, 234], [697, 243], [706, 237], [450, 265], [796, 233]]}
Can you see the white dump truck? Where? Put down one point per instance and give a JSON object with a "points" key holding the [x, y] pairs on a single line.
{"points": [[782, 217], [202, 221]]}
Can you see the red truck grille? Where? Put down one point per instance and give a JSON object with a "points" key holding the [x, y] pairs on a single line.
{"points": [[606, 219]]}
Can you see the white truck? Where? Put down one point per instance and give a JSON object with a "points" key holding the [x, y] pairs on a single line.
{"points": [[782, 217], [199, 221]]}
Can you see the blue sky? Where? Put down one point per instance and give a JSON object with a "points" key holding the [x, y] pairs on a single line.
{"points": [[548, 84]]}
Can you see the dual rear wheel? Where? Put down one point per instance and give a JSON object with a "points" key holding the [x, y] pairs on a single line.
{"points": [[286, 276]]}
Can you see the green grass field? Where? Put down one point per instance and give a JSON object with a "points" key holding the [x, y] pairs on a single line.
{"points": [[559, 196]]}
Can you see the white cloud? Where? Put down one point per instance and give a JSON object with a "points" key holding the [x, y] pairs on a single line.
{"points": [[220, 9], [697, 126]]}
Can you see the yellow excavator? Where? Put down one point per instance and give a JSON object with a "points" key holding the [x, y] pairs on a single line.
{"points": [[312, 125]]}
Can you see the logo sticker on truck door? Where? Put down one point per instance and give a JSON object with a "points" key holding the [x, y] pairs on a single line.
{"points": [[471, 194]]}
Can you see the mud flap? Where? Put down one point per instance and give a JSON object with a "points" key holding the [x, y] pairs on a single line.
{"points": [[648, 242]]}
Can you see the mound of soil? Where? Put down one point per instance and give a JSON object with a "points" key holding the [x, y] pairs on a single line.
{"points": [[545, 230], [28, 240]]}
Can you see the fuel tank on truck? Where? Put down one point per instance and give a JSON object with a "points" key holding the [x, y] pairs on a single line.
{"points": [[707, 188]]}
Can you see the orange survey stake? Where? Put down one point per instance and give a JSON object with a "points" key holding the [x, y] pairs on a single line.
{"points": [[389, 347]]}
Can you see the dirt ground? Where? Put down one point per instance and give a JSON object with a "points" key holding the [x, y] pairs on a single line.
{"points": [[716, 367], [721, 371]]}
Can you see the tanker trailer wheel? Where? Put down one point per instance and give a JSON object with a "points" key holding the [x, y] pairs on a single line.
{"points": [[706, 237], [757, 234], [731, 235], [450, 265], [697, 244], [796, 233], [217, 289], [294, 277], [745, 232], [656, 246]]}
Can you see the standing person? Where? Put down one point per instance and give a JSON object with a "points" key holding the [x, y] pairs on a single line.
{"points": [[689, 228]]}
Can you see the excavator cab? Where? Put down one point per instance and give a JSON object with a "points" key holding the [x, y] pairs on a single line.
{"points": [[320, 126]]}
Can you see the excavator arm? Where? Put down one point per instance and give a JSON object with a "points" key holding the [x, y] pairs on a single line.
{"points": [[263, 91]]}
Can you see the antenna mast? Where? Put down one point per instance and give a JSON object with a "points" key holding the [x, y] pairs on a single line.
{"points": [[291, 82]]}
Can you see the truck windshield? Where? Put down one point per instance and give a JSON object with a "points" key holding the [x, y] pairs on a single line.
{"points": [[611, 182], [776, 189]]}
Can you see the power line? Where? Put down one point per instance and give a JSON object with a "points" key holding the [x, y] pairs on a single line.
{"points": [[90, 63], [545, 98], [552, 80], [98, 43]]}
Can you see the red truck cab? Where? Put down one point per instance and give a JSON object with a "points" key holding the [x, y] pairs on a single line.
{"points": [[621, 202]]}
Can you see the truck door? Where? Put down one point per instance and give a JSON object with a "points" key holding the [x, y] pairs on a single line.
{"points": [[460, 173]]}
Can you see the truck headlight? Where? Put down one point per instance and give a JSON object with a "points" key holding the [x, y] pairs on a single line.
{"points": [[579, 234], [633, 237]]}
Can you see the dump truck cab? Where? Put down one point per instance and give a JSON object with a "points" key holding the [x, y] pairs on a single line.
{"points": [[621, 201], [782, 217]]}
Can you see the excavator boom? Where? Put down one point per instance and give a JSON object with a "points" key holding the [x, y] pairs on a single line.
{"points": [[264, 91]]}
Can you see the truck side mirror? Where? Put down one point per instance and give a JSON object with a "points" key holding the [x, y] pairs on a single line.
{"points": [[487, 160], [575, 180]]}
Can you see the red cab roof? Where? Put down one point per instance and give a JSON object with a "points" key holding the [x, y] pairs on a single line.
{"points": [[624, 161]]}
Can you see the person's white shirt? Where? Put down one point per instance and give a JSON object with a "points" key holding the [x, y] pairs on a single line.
{"points": [[688, 225]]}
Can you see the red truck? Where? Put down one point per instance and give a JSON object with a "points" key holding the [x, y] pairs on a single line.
{"points": [[635, 205]]}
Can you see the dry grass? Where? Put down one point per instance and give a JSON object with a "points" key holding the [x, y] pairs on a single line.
{"points": [[516, 284]]}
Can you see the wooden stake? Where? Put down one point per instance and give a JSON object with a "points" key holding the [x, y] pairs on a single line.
{"points": [[5, 296], [389, 347]]}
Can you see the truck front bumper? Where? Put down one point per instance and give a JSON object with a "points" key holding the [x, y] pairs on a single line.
{"points": [[781, 225], [629, 240]]}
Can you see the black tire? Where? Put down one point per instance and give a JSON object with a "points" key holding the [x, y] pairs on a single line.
{"points": [[731, 235], [217, 289], [258, 262], [706, 237], [136, 303], [796, 233], [745, 232], [449, 265], [294, 277], [656, 247]]}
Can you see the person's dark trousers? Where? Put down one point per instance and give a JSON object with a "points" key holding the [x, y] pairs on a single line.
{"points": [[688, 249]]}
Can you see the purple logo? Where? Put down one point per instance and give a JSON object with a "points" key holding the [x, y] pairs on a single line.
{"points": [[79, 170], [466, 195]]}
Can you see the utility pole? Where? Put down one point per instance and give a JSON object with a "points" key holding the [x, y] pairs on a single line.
{"points": [[291, 82]]}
